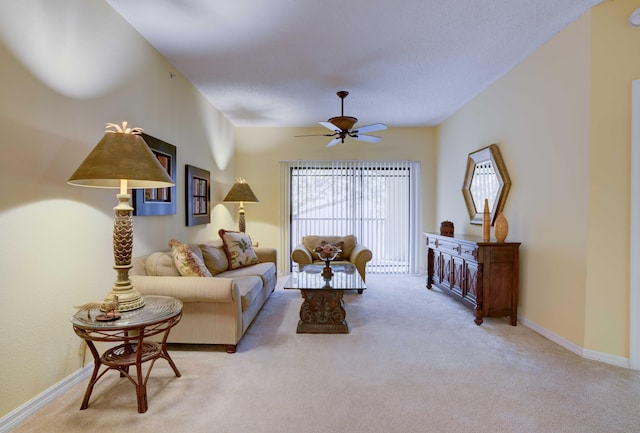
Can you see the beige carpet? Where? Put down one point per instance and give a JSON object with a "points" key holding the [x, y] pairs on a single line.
{"points": [[414, 361]]}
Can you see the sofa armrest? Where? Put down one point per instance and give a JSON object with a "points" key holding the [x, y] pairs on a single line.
{"points": [[360, 254], [188, 289], [266, 254], [301, 255]]}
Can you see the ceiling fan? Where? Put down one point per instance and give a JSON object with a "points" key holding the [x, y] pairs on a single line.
{"points": [[342, 127]]}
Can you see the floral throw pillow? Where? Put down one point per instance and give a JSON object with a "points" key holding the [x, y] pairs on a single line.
{"points": [[238, 247], [188, 264]]}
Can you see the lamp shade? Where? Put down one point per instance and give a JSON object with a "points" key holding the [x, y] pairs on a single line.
{"points": [[241, 192], [119, 156]]}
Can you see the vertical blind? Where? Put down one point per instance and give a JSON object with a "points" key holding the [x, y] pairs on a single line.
{"points": [[377, 201]]}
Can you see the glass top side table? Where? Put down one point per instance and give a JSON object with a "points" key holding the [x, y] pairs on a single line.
{"points": [[157, 316]]}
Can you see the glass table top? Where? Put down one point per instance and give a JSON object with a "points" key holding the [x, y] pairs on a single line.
{"points": [[345, 277], [155, 309]]}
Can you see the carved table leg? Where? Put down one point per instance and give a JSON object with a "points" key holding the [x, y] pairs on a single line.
{"points": [[322, 312]]}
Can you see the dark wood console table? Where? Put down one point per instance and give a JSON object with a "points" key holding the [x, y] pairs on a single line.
{"points": [[481, 275]]}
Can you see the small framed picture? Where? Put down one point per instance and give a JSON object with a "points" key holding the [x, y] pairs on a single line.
{"points": [[157, 201], [197, 195]]}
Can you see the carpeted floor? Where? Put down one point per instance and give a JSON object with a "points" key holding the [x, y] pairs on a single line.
{"points": [[414, 361]]}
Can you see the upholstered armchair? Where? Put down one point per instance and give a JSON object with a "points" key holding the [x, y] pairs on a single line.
{"points": [[352, 252]]}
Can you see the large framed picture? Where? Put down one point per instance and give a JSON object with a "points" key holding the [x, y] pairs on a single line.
{"points": [[197, 195], [158, 201]]}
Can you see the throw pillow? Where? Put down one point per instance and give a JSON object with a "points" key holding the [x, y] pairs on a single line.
{"points": [[187, 263], [161, 264], [238, 247], [215, 258]]}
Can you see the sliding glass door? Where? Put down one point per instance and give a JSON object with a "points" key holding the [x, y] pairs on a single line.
{"points": [[377, 201]]}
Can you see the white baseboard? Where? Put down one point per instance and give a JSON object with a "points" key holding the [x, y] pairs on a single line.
{"points": [[618, 361], [20, 414]]}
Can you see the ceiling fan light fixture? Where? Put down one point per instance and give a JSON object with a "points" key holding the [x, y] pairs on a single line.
{"points": [[343, 122]]}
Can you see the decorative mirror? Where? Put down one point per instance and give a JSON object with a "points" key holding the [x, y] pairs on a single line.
{"points": [[486, 178]]}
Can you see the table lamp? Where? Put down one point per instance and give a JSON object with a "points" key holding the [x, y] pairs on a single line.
{"points": [[240, 193], [122, 160]]}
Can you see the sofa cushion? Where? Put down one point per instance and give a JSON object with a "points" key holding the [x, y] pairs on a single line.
{"points": [[160, 264], [214, 257], [266, 271], [187, 263], [249, 288], [349, 243], [238, 247]]}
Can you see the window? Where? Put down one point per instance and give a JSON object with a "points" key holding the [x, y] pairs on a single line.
{"points": [[377, 201]]}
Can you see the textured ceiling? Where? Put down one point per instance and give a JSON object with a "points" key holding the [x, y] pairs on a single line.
{"points": [[405, 63]]}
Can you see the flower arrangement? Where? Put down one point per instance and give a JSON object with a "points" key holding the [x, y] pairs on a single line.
{"points": [[327, 252]]}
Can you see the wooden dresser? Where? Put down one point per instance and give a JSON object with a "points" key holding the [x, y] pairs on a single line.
{"points": [[481, 275]]}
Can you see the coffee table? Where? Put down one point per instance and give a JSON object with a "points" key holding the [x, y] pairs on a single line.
{"points": [[322, 310], [158, 315]]}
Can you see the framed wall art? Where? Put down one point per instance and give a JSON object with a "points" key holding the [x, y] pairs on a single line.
{"points": [[197, 195], [157, 201]]}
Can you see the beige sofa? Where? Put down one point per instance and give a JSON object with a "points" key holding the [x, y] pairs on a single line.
{"points": [[218, 309], [352, 252]]}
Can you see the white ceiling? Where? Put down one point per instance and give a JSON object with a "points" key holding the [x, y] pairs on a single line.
{"points": [[404, 62]]}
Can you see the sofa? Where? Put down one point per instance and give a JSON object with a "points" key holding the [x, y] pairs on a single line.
{"points": [[219, 308], [352, 252]]}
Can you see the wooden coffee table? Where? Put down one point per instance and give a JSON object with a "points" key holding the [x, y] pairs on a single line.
{"points": [[322, 310]]}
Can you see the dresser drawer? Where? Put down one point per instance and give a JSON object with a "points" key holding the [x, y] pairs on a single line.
{"points": [[469, 252], [451, 247]]}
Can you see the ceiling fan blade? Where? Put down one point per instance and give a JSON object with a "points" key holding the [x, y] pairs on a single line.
{"points": [[370, 128], [369, 138], [316, 135], [334, 142], [330, 126]]}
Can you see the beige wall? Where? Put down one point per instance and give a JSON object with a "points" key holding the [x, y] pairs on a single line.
{"points": [[615, 62], [538, 115], [562, 121], [68, 67], [260, 150]]}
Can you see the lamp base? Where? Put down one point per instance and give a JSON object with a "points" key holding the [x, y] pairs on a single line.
{"points": [[241, 223], [128, 297], [131, 300]]}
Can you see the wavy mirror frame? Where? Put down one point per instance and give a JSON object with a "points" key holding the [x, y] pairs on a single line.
{"points": [[490, 153]]}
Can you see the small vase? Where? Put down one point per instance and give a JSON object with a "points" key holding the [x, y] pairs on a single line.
{"points": [[486, 222], [501, 228]]}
